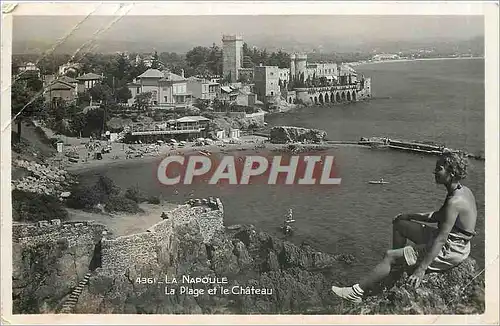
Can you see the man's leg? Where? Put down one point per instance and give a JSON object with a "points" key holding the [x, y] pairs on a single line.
{"points": [[381, 271], [403, 230]]}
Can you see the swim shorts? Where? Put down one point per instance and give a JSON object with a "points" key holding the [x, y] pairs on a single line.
{"points": [[454, 251]]}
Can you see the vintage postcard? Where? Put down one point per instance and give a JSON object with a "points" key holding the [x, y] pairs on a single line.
{"points": [[263, 162]]}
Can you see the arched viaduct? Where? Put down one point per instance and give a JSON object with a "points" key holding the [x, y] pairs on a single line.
{"points": [[328, 95]]}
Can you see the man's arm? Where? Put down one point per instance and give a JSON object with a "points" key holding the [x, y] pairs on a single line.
{"points": [[450, 216]]}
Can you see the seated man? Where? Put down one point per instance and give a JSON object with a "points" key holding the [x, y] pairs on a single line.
{"points": [[434, 249]]}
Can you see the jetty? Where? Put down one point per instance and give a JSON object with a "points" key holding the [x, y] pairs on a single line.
{"points": [[422, 147]]}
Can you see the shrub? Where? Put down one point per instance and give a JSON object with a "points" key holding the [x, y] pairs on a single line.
{"points": [[155, 200], [122, 204], [133, 193], [32, 207], [86, 197], [106, 187]]}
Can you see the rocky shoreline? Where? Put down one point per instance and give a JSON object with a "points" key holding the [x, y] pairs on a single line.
{"points": [[262, 274]]}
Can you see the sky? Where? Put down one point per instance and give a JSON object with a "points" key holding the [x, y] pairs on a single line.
{"points": [[182, 32]]}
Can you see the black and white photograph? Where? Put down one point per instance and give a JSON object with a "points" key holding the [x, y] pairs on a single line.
{"points": [[249, 163]]}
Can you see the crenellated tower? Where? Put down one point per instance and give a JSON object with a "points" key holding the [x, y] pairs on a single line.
{"points": [[300, 66], [292, 66], [232, 54]]}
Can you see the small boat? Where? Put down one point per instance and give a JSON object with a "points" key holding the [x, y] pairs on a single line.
{"points": [[379, 182], [206, 153]]}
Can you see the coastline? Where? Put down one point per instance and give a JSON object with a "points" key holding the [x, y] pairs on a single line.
{"points": [[255, 144], [356, 64]]}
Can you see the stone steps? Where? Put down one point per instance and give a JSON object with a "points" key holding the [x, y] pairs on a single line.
{"points": [[71, 302]]}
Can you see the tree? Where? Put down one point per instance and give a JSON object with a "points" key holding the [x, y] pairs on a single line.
{"points": [[197, 58], [226, 79], [94, 120], [220, 106], [205, 61], [201, 104], [123, 94], [25, 102], [83, 98], [155, 62], [101, 92], [215, 60], [137, 70], [143, 101], [122, 67], [71, 73], [246, 50], [34, 84], [243, 78]]}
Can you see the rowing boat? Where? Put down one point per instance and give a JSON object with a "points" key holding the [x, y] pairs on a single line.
{"points": [[378, 182]]}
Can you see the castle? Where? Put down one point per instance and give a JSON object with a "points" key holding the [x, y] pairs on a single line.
{"points": [[305, 82]]}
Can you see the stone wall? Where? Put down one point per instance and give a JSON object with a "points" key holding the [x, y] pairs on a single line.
{"points": [[75, 232], [48, 260], [119, 254], [365, 92]]}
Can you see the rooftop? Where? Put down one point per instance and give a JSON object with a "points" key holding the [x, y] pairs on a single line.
{"points": [[67, 79], [59, 85], [162, 75], [171, 76], [227, 89], [192, 118], [90, 76], [151, 73]]}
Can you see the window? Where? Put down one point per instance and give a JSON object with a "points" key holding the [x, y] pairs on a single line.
{"points": [[138, 90], [166, 99]]}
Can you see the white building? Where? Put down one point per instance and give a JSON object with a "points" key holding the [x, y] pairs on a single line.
{"points": [[166, 88]]}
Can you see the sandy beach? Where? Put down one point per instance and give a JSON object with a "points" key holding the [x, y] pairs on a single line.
{"points": [[117, 156], [123, 223]]}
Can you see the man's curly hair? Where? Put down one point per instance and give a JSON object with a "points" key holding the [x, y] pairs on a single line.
{"points": [[455, 163]]}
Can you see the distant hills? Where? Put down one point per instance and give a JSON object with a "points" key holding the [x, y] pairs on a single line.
{"points": [[474, 45]]}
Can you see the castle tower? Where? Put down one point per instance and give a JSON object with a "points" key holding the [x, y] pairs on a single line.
{"points": [[301, 65], [292, 66], [232, 56]]}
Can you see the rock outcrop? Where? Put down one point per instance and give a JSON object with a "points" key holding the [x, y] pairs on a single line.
{"points": [[40, 178], [49, 260], [458, 291], [176, 268], [295, 278], [289, 134]]}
